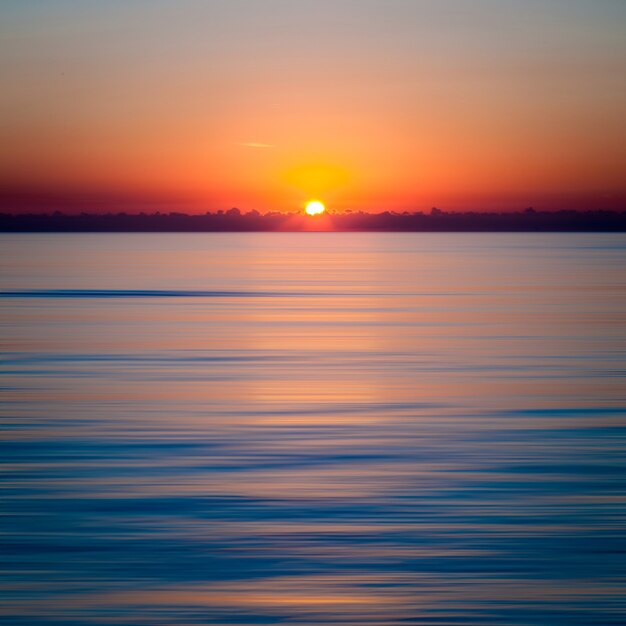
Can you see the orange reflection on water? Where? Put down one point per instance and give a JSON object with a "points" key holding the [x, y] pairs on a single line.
{"points": [[314, 429]]}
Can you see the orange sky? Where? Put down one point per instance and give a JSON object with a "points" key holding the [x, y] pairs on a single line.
{"points": [[370, 104]]}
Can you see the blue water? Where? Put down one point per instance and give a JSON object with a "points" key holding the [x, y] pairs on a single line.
{"points": [[302, 429]]}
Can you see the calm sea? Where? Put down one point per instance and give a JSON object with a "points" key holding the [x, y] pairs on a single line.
{"points": [[303, 429]]}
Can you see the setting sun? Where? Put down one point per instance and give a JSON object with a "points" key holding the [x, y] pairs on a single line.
{"points": [[315, 207]]}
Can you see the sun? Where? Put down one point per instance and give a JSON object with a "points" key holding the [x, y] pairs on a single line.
{"points": [[315, 207]]}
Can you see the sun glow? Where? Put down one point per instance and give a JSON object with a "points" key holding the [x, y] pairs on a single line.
{"points": [[315, 207]]}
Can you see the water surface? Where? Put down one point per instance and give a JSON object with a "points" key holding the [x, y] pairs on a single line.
{"points": [[301, 429]]}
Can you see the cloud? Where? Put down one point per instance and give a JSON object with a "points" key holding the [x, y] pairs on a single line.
{"points": [[254, 144]]}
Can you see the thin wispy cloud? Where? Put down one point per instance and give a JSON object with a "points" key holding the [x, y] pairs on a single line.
{"points": [[254, 144]]}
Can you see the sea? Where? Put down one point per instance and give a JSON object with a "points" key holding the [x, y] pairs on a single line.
{"points": [[302, 429]]}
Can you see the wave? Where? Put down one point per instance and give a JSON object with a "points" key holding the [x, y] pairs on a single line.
{"points": [[147, 293]]}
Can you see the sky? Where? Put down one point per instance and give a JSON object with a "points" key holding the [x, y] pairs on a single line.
{"points": [[202, 105]]}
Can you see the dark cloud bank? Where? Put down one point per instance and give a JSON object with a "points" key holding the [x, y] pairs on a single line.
{"points": [[236, 221]]}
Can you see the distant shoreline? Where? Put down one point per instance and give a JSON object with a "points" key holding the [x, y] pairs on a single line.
{"points": [[235, 221]]}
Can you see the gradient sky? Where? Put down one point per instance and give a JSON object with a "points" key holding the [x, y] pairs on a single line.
{"points": [[367, 104]]}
